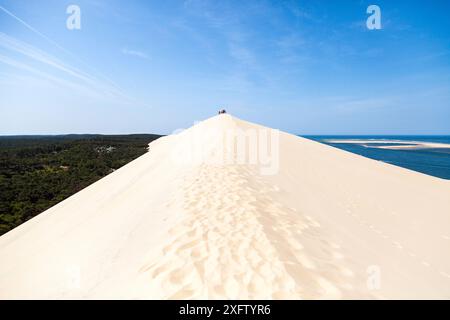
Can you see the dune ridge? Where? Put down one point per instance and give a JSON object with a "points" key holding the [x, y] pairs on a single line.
{"points": [[194, 219]]}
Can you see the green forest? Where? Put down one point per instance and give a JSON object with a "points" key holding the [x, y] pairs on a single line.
{"points": [[37, 172]]}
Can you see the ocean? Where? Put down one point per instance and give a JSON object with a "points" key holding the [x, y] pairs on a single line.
{"points": [[431, 160]]}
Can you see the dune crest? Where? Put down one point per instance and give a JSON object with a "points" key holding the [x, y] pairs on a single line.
{"points": [[230, 209]]}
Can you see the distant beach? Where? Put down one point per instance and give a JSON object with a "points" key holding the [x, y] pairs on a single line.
{"points": [[426, 154]]}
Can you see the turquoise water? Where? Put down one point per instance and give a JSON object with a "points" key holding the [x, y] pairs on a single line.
{"points": [[434, 162]]}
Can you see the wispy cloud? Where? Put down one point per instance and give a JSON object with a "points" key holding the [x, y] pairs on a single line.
{"points": [[48, 77], [68, 75], [230, 25], [135, 53], [241, 54], [291, 48], [365, 104], [52, 42], [301, 13]]}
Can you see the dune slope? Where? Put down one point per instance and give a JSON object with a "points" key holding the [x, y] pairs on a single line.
{"points": [[193, 218]]}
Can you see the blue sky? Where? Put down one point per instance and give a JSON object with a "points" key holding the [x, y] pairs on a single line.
{"points": [[306, 67]]}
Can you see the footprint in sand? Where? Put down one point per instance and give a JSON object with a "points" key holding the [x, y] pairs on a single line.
{"points": [[227, 242]]}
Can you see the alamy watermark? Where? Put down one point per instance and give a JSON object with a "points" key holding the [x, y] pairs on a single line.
{"points": [[73, 21], [374, 277], [374, 20], [228, 146]]}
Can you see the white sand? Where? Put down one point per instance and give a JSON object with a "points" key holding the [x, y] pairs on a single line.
{"points": [[327, 224], [399, 144]]}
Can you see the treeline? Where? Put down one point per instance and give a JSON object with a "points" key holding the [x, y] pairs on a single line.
{"points": [[36, 172]]}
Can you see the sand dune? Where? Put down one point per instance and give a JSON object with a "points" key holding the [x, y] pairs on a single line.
{"points": [[194, 218]]}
